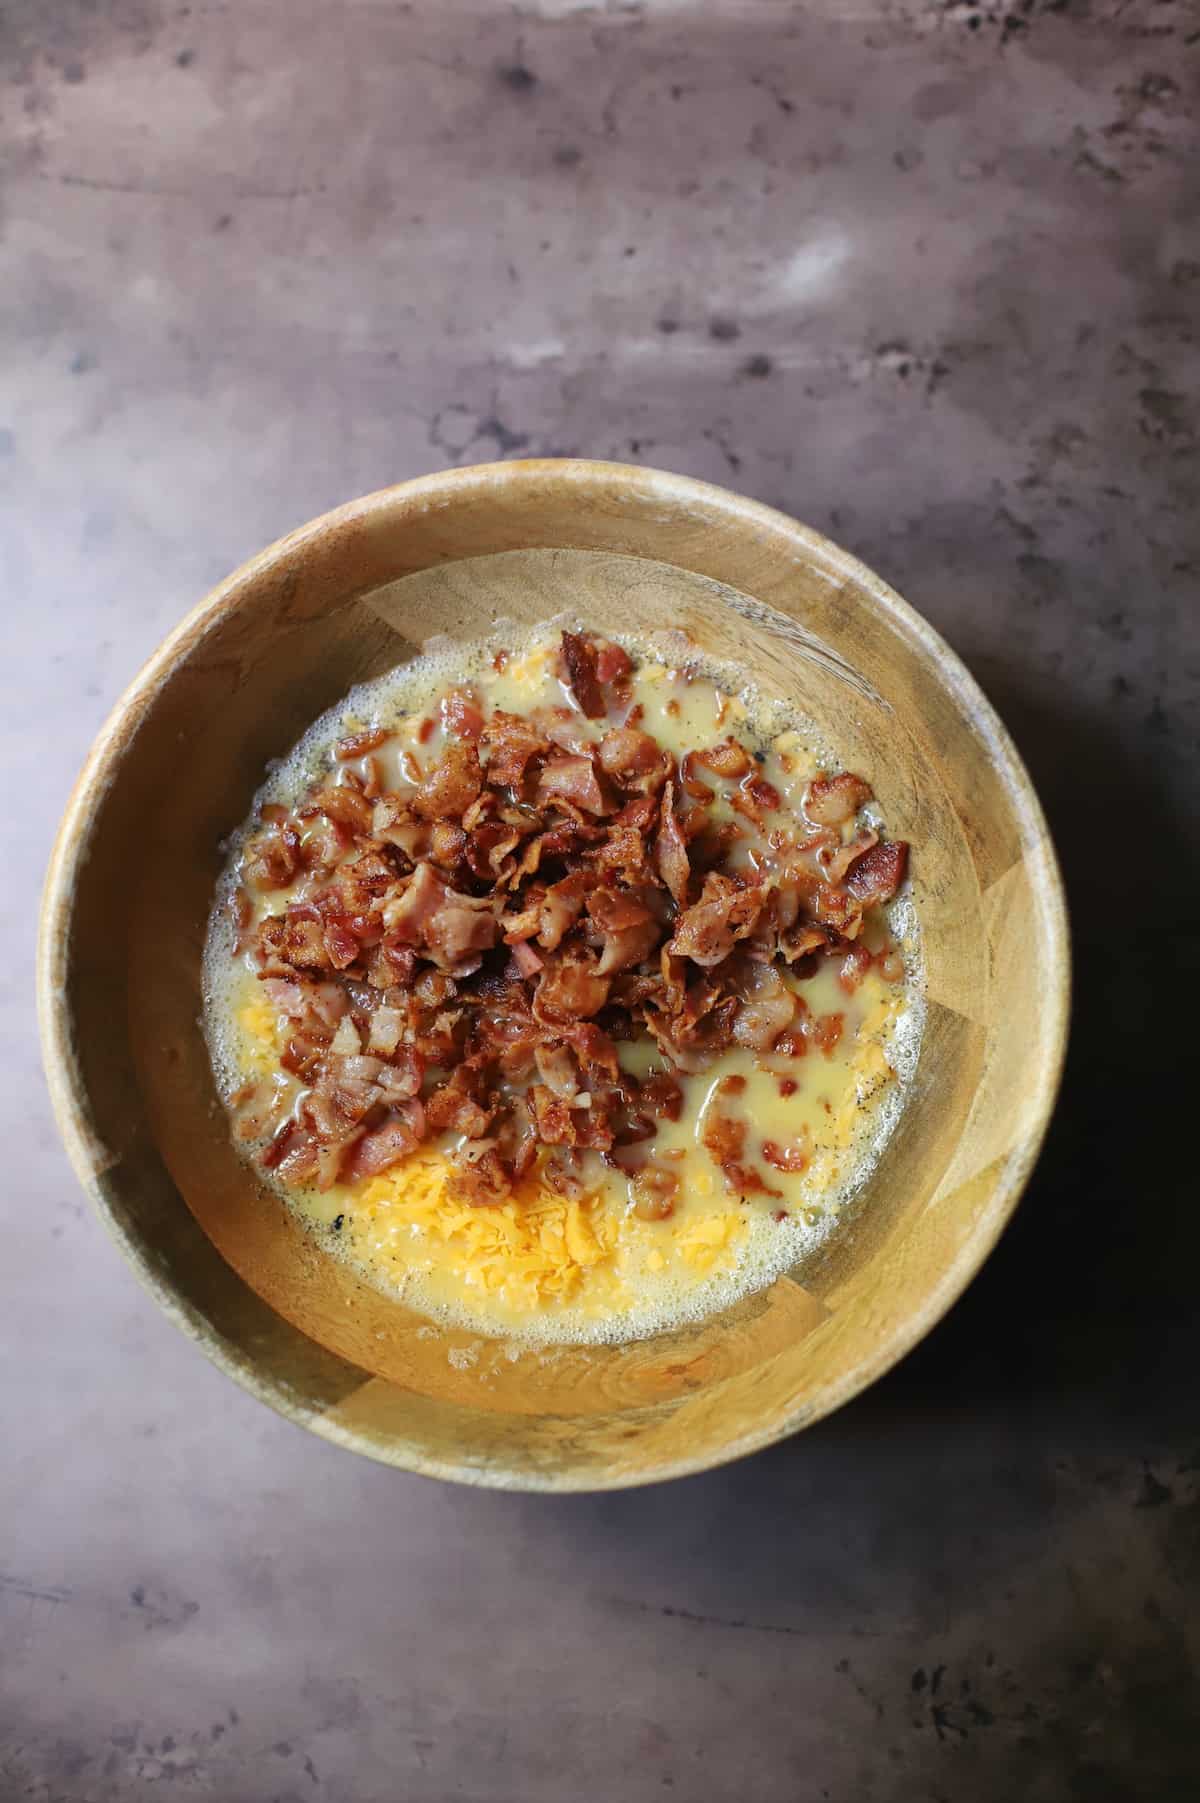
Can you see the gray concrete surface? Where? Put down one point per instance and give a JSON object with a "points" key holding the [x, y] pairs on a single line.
{"points": [[926, 275]]}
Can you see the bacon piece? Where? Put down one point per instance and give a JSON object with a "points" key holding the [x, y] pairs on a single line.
{"points": [[727, 759], [393, 822], [593, 1048], [483, 1181], [455, 1106], [876, 876], [832, 800], [788, 1158], [370, 738], [343, 803], [613, 662], [272, 860], [573, 779], [623, 854], [555, 1122], [630, 756], [803, 940], [853, 968], [391, 964], [384, 1146], [448, 844], [569, 990], [526, 959], [461, 714], [362, 880], [628, 930], [754, 798], [662, 1096], [726, 912], [386, 1031], [409, 915], [656, 1191], [291, 998], [460, 932], [670, 851], [723, 1137], [557, 1069], [341, 946], [766, 1011], [452, 785], [560, 908], [579, 659], [510, 743], [837, 863]]}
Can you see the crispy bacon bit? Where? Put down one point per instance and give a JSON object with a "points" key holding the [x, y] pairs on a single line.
{"points": [[626, 754], [727, 759], [613, 662], [788, 1158], [461, 714], [579, 660], [343, 803], [854, 967], [572, 779], [569, 991], [526, 959], [832, 800], [525, 903], [656, 1190], [876, 876], [726, 912], [767, 1010], [755, 797], [724, 1137], [273, 860], [359, 743], [662, 1096], [483, 1182], [451, 786], [670, 850], [387, 1144], [510, 743]]}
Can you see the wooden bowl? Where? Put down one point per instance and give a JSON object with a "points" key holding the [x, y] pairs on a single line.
{"points": [[350, 596]]}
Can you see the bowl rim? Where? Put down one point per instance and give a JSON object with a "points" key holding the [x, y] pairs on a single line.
{"points": [[65, 1082]]}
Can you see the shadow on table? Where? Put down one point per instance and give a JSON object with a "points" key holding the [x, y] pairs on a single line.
{"points": [[996, 1544]]}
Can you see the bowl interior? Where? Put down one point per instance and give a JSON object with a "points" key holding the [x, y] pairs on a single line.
{"points": [[354, 595]]}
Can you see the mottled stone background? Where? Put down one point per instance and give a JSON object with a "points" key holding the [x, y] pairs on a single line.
{"points": [[926, 275]]}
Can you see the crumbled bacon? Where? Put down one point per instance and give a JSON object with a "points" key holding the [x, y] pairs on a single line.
{"points": [[788, 1158], [357, 744], [876, 876], [670, 850], [727, 759], [726, 912], [451, 786], [573, 779], [463, 957], [583, 680], [832, 800], [461, 714]]}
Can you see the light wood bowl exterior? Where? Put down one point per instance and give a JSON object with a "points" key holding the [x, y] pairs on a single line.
{"points": [[348, 597]]}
